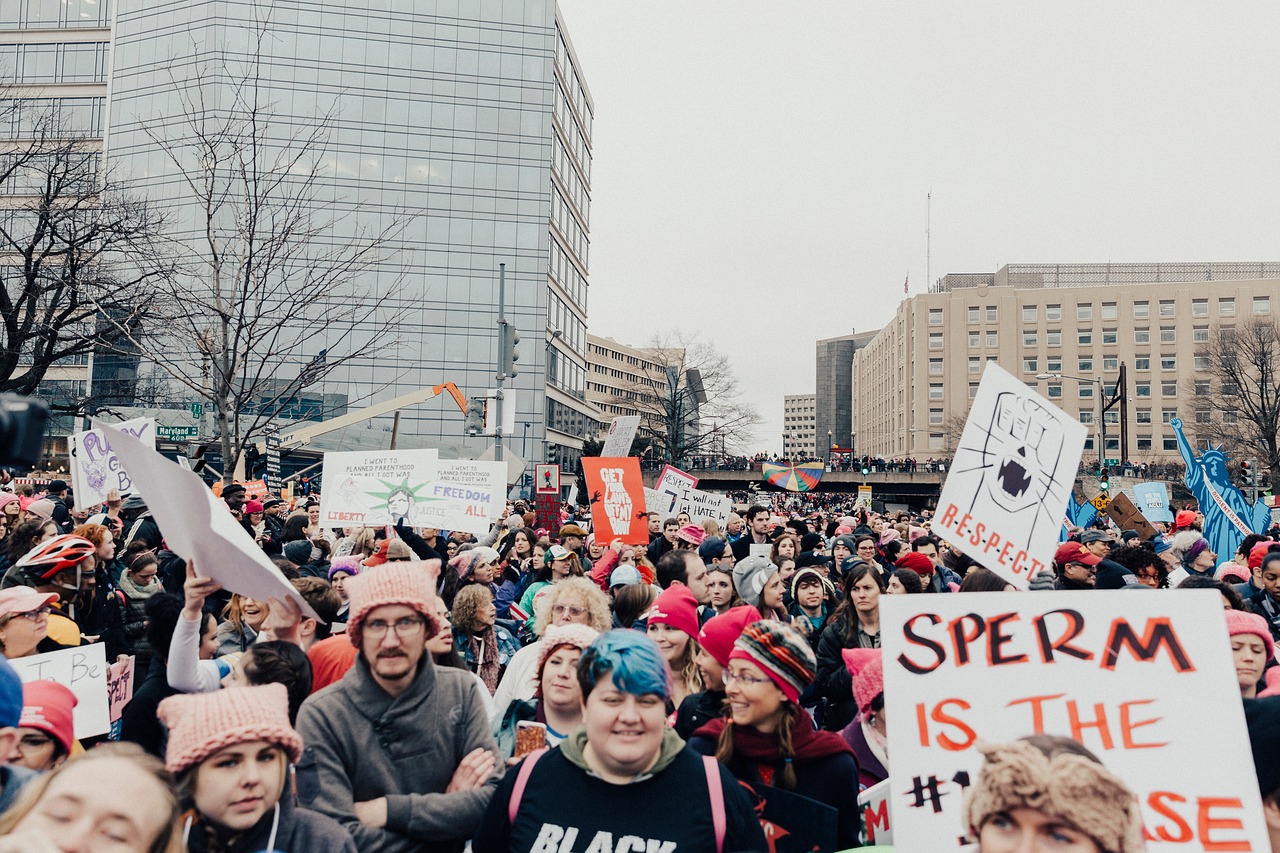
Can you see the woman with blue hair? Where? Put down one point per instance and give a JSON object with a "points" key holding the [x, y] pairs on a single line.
{"points": [[622, 773]]}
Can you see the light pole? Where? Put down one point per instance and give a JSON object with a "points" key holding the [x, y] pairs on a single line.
{"points": [[1102, 421], [829, 445]]}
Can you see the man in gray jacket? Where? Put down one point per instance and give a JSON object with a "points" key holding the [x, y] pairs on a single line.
{"points": [[399, 750]]}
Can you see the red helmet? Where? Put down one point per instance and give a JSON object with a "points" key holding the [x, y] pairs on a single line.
{"points": [[55, 555]]}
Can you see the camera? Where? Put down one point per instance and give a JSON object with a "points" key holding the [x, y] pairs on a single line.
{"points": [[22, 423]]}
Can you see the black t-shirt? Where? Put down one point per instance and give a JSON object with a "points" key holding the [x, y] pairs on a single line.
{"points": [[565, 810]]}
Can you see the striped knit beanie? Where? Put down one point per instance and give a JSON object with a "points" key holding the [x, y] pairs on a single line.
{"points": [[781, 652], [201, 724]]}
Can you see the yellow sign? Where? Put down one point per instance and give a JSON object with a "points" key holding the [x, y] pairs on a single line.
{"points": [[1100, 502]]}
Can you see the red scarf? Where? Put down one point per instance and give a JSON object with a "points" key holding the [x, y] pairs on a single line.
{"points": [[809, 744]]}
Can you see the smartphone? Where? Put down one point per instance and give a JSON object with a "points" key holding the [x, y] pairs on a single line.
{"points": [[530, 736]]}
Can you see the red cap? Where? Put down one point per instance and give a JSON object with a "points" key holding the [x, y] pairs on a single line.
{"points": [[1074, 552], [379, 555], [46, 705], [1257, 552], [676, 607], [721, 632], [916, 562], [250, 507]]}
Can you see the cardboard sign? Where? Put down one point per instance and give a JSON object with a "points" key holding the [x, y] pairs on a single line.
{"points": [[95, 467], [546, 479], [256, 490], [615, 489], [1112, 670], [119, 686], [199, 527], [84, 671], [1152, 500], [622, 431], [1126, 515], [700, 505], [877, 820], [465, 494], [659, 502], [671, 480], [374, 488], [864, 497], [792, 823], [1006, 495]]}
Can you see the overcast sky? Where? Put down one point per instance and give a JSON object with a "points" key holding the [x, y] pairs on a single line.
{"points": [[760, 168]]}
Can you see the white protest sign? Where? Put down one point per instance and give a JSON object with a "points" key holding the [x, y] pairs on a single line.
{"points": [[700, 504], [622, 431], [120, 677], [656, 501], [373, 488], [1006, 495], [199, 527], [95, 468], [1113, 670], [84, 671], [465, 495], [672, 480], [877, 822]]}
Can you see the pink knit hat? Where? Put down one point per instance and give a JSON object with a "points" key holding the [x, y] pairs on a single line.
{"points": [[410, 584], [867, 668], [201, 724], [676, 607], [573, 634], [1243, 622]]}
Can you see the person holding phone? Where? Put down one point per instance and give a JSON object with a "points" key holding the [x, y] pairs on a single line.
{"points": [[556, 709]]}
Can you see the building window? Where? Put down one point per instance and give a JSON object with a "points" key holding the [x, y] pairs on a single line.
{"points": [[1199, 307], [1084, 337], [1109, 311], [1202, 388], [1084, 311], [935, 417], [1053, 339], [1053, 312], [1055, 392], [1262, 304], [1168, 335], [1200, 335], [973, 390], [1142, 362], [1168, 389], [1086, 390], [974, 339], [1144, 442], [975, 365], [935, 391], [1141, 310], [1168, 362], [991, 313], [935, 316], [1086, 417], [1142, 389], [1169, 443], [1143, 416], [1168, 308], [1113, 444], [1030, 365], [974, 314], [935, 367], [1109, 336], [1202, 416], [1085, 365], [1088, 444], [1029, 313], [1111, 364], [1030, 339], [1053, 365], [1229, 416], [1167, 415], [935, 340], [1229, 389], [1142, 336], [1200, 362], [1227, 307], [935, 441], [992, 339]]}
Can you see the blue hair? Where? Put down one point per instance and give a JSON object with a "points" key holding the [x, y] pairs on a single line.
{"points": [[633, 660]]}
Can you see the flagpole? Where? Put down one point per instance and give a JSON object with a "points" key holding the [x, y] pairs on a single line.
{"points": [[928, 241]]}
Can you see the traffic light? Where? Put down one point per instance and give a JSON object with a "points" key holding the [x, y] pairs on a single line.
{"points": [[510, 355], [1104, 479], [475, 416], [866, 468], [1248, 477]]}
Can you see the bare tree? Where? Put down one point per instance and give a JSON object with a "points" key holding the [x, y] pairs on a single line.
{"points": [[1237, 395], [260, 276], [66, 231]]}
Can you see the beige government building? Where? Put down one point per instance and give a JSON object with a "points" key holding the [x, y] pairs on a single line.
{"points": [[913, 382]]}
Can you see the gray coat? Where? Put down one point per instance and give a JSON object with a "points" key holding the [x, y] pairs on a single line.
{"points": [[361, 744]]}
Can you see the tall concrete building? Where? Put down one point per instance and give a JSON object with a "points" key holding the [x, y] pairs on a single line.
{"points": [[627, 380], [471, 122], [834, 390], [798, 430], [914, 381]]}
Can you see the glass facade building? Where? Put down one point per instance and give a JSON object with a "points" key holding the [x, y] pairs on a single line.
{"points": [[465, 125]]}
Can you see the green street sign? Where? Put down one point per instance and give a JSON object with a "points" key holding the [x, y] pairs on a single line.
{"points": [[177, 433], [1112, 462], [197, 410]]}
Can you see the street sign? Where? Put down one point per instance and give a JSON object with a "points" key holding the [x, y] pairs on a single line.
{"points": [[273, 455], [197, 410], [1100, 502], [1111, 462], [177, 433]]}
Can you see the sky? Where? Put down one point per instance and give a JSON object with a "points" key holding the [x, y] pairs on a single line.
{"points": [[760, 169]]}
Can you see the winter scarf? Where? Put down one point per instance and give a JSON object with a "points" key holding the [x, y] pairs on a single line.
{"points": [[484, 647], [133, 591], [807, 743]]}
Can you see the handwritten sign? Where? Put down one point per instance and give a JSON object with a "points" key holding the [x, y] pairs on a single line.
{"points": [[1111, 670], [877, 821], [95, 467], [120, 686], [671, 480], [615, 488], [1006, 495], [374, 488], [84, 671], [622, 431], [656, 501], [700, 505]]}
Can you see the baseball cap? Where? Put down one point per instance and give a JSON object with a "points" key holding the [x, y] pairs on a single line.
{"points": [[1074, 552]]}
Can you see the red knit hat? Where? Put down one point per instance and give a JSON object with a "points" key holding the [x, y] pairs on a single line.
{"points": [[721, 632], [867, 668], [1183, 519], [47, 705], [676, 607], [916, 562], [692, 533], [410, 584], [1257, 552], [201, 724]]}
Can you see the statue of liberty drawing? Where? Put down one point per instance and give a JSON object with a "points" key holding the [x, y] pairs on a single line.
{"points": [[1228, 517]]}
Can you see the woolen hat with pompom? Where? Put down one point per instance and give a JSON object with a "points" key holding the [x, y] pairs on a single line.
{"points": [[410, 584], [781, 652], [201, 724]]}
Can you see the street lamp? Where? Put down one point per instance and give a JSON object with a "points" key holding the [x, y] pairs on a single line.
{"points": [[830, 445], [1102, 422]]}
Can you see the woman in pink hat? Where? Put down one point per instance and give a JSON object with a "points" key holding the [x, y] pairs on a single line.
{"points": [[673, 625], [45, 733], [24, 622]]}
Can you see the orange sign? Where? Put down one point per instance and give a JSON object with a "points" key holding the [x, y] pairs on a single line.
{"points": [[615, 489]]}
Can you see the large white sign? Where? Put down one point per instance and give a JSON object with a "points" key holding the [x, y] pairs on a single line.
{"points": [[1007, 493], [95, 467], [622, 431], [464, 495], [84, 671], [672, 481], [700, 505], [374, 488], [877, 820], [1131, 676], [656, 501]]}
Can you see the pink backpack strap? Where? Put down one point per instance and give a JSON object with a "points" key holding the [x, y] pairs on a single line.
{"points": [[712, 767], [522, 779]]}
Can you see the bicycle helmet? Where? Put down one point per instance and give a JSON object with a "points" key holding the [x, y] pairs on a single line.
{"points": [[55, 555]]}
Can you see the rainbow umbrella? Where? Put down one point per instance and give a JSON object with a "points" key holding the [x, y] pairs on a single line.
{"points": [[793, 478]]}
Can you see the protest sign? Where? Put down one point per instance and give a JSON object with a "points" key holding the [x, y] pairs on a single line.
{"points": [[615, 489], [622, 431], [95, 467], [1152, 500], [877, 822], [572, 498], [864, 497], [465, 494], [546, 480], [199, 527], [1126, 515], [84, 671], [1111, 670], [671, 480], [256, 490], [374, 487], [119, 686], [1006, 495], [700, 505], [793, 823], [656, 501]]}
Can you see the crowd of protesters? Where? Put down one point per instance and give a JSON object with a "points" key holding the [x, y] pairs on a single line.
{"points": [[532, 686]]}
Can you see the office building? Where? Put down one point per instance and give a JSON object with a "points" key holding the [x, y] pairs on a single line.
{"points": [[913, 382], [627, 380], [834, 389], [798, 419], [468, 124]]}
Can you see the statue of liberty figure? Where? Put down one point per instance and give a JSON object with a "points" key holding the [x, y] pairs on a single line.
{"points": [[1082, 514], [1228, 517]]}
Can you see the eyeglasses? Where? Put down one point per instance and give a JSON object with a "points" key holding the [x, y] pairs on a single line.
{"points": [[744, 680], [562, 609], [34, 615], [403, 627]]}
